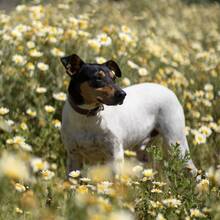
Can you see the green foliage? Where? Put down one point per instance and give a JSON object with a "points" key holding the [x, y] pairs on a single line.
{"points": [[167, 42]]}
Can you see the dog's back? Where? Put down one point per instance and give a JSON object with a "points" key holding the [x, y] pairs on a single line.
{"points": [[142, 111]]}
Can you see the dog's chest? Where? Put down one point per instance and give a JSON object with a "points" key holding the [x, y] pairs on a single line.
{"points": [[92, 143]]}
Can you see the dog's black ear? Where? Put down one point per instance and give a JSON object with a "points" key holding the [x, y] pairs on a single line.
{"points": [[112, 65], [72, 63]]}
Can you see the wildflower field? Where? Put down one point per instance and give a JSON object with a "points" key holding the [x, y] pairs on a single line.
{"points": [[171, 42]]}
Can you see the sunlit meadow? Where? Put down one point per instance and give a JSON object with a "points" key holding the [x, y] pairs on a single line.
{"points": [[165, 41]]}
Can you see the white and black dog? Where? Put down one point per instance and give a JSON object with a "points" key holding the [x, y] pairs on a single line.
{"points": [[100, 120]]}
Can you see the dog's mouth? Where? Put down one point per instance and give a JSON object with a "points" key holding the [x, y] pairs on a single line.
{"points": [[99, 99], [110, 102], [121, 102]]}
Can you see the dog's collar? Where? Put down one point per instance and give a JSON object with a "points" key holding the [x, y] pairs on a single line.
{"points": [[82, 111]]}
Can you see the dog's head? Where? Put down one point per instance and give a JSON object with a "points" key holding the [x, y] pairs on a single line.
{"points": [[93, 83]]}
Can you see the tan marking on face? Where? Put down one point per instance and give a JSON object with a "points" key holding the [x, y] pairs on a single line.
{"points": [[93, 95], [106, 91], [88, 93], [105, 94], [101, 74]]}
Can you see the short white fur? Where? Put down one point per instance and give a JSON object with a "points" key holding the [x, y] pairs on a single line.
{"points": [[104, 137]]}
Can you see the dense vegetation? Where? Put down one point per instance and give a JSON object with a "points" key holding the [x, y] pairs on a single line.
{"points": [[169, 42]]}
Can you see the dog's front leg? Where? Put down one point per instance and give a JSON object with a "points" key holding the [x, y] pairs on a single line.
{"points": [[118, 157], [74, 161]]}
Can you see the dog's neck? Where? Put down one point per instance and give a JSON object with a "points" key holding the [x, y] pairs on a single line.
{"points": [[85, 109], [88, 107]]}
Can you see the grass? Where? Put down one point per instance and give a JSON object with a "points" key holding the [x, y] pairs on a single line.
{"points": [[168, 42]]}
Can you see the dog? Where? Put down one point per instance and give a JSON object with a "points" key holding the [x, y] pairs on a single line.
{"points": [[100, 119]]}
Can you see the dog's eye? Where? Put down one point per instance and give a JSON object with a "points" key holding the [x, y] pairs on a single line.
{"points": [[97, 82]]}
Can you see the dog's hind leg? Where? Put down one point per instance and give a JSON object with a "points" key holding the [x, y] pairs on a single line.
{"points": [[178, 137], [171, 126]]}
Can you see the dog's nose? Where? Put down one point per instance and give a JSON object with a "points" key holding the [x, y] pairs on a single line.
{"points": [[120, 94]]}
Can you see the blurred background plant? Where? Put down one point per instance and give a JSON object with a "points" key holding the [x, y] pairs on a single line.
{"points": [[169, 42]]}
